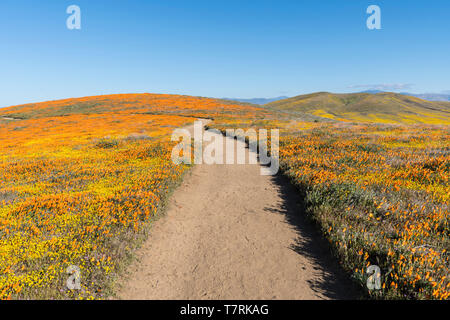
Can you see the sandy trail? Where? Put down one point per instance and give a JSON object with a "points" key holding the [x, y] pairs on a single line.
{"points": [[231, 233]]}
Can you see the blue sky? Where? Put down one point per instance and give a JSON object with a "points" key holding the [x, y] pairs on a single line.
{"points": [[230, 48]]}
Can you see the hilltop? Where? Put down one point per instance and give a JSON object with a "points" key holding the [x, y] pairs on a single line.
{"points": [[143, 103], [382, 107], [385, 107], [85, 183]]}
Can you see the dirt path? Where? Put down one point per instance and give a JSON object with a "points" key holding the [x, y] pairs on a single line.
{"points": [[231, 233]]}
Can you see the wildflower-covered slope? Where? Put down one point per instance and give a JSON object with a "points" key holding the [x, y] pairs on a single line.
{"points": [[80, 181], [379, 194], [365, 107], [82, 178]]}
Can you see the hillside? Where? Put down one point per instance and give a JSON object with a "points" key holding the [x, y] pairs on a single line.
{"points": [[365, 107], [145, 103], [81, 179], [84, 180]]}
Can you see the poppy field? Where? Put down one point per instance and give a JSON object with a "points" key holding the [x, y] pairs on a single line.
{"points": [[81, 180], [379, 194]]}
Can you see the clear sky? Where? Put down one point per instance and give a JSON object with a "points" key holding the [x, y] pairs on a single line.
{"points": [[228, 48]]}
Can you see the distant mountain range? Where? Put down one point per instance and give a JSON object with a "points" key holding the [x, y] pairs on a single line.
{"points": [[431, 96], [424, 96], [259, 101]]}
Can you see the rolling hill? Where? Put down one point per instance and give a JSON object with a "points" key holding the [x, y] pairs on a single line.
{"points": [[143, 103], [383, 107]]}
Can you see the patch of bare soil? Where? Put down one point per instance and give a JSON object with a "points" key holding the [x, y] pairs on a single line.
{"points": [[231, 233]]}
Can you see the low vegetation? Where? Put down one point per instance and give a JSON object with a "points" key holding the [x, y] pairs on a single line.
{"points": [[380, 195], [82, 179], [382, 107]]}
